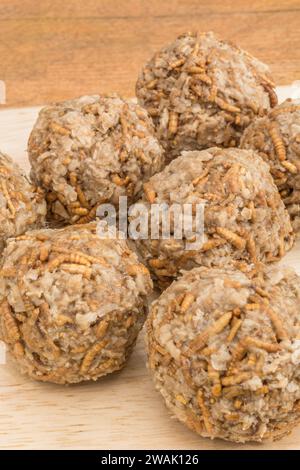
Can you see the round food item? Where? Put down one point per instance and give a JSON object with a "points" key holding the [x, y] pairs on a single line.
{"points": [[72, 304], [276, 138], [244, 216], [202, 92], [22, 206], [224, 351], [89, 151]]}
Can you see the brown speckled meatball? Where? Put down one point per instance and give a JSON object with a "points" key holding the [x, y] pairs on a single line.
{"points": [[22, 205], [71, 304], [244, 216], [276, 138], [92, 150], [202, 92], [224, 350]]}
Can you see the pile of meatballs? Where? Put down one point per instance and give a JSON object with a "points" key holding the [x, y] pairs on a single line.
{"points": [[223, 334]]}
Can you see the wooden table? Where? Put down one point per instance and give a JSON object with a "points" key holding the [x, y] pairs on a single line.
{"points": [[53, 50]]}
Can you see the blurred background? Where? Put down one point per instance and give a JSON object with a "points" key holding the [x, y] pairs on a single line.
{"points": [[54, 49]]}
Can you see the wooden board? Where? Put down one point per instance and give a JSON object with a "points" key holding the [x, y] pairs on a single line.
{"points": [[121, 411], [53, 50]]}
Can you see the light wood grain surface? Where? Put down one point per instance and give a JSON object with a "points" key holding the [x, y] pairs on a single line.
{"points": [[122, 411], [52, 50]]}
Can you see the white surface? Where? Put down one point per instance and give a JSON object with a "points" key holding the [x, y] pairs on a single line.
{"points": [[120, 411]]}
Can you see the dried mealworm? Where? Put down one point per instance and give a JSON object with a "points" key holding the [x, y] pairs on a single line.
{"points": [[177, 63], [232, 283], [205, 412], [173, 122], [73, 178], [195, 69], [152, 84], [62, 320], [102, 328], [238, 352], [256, 343], [236, 379], [58, 129], [217, 327], [213, 243], [7, 197], [157, 263], [272, 94], [181, 399], [262, 390], [19, 349], [232, 237], [149, 193], [79, 257], [201, 177], [252, 360], [280, 331], [236, 324], [77, 269], [277, 142], [91, 354], [251, 247], [82, 211], [135, 269], [124, 123], [226, 106], [81, 196], [203, 77], [290, 167], [44, 253], [187, 302], [286, 109], [54, 263], [252, 306], [232, 391], [214, 377], [8, 271], [89, 217], [11, 326], [237, 404]]}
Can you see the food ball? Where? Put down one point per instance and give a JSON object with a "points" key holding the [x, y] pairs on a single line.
{"points": [[224, 350], [276, 138], [72, 304], [244, 216], [22, 206], [203, 92], [89, 151]]}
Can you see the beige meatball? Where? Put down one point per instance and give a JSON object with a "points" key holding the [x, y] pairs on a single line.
{"points": [[202, 92], [224, 351], [72, 304], [89, 151], [244, 216], [276, 138], [22, 205]]}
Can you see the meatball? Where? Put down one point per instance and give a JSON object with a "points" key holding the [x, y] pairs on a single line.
{"points": [[203, 92], [72, 304], [244, 216], [22, 205], [89, 151], [276, 138], [224, 351]]}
